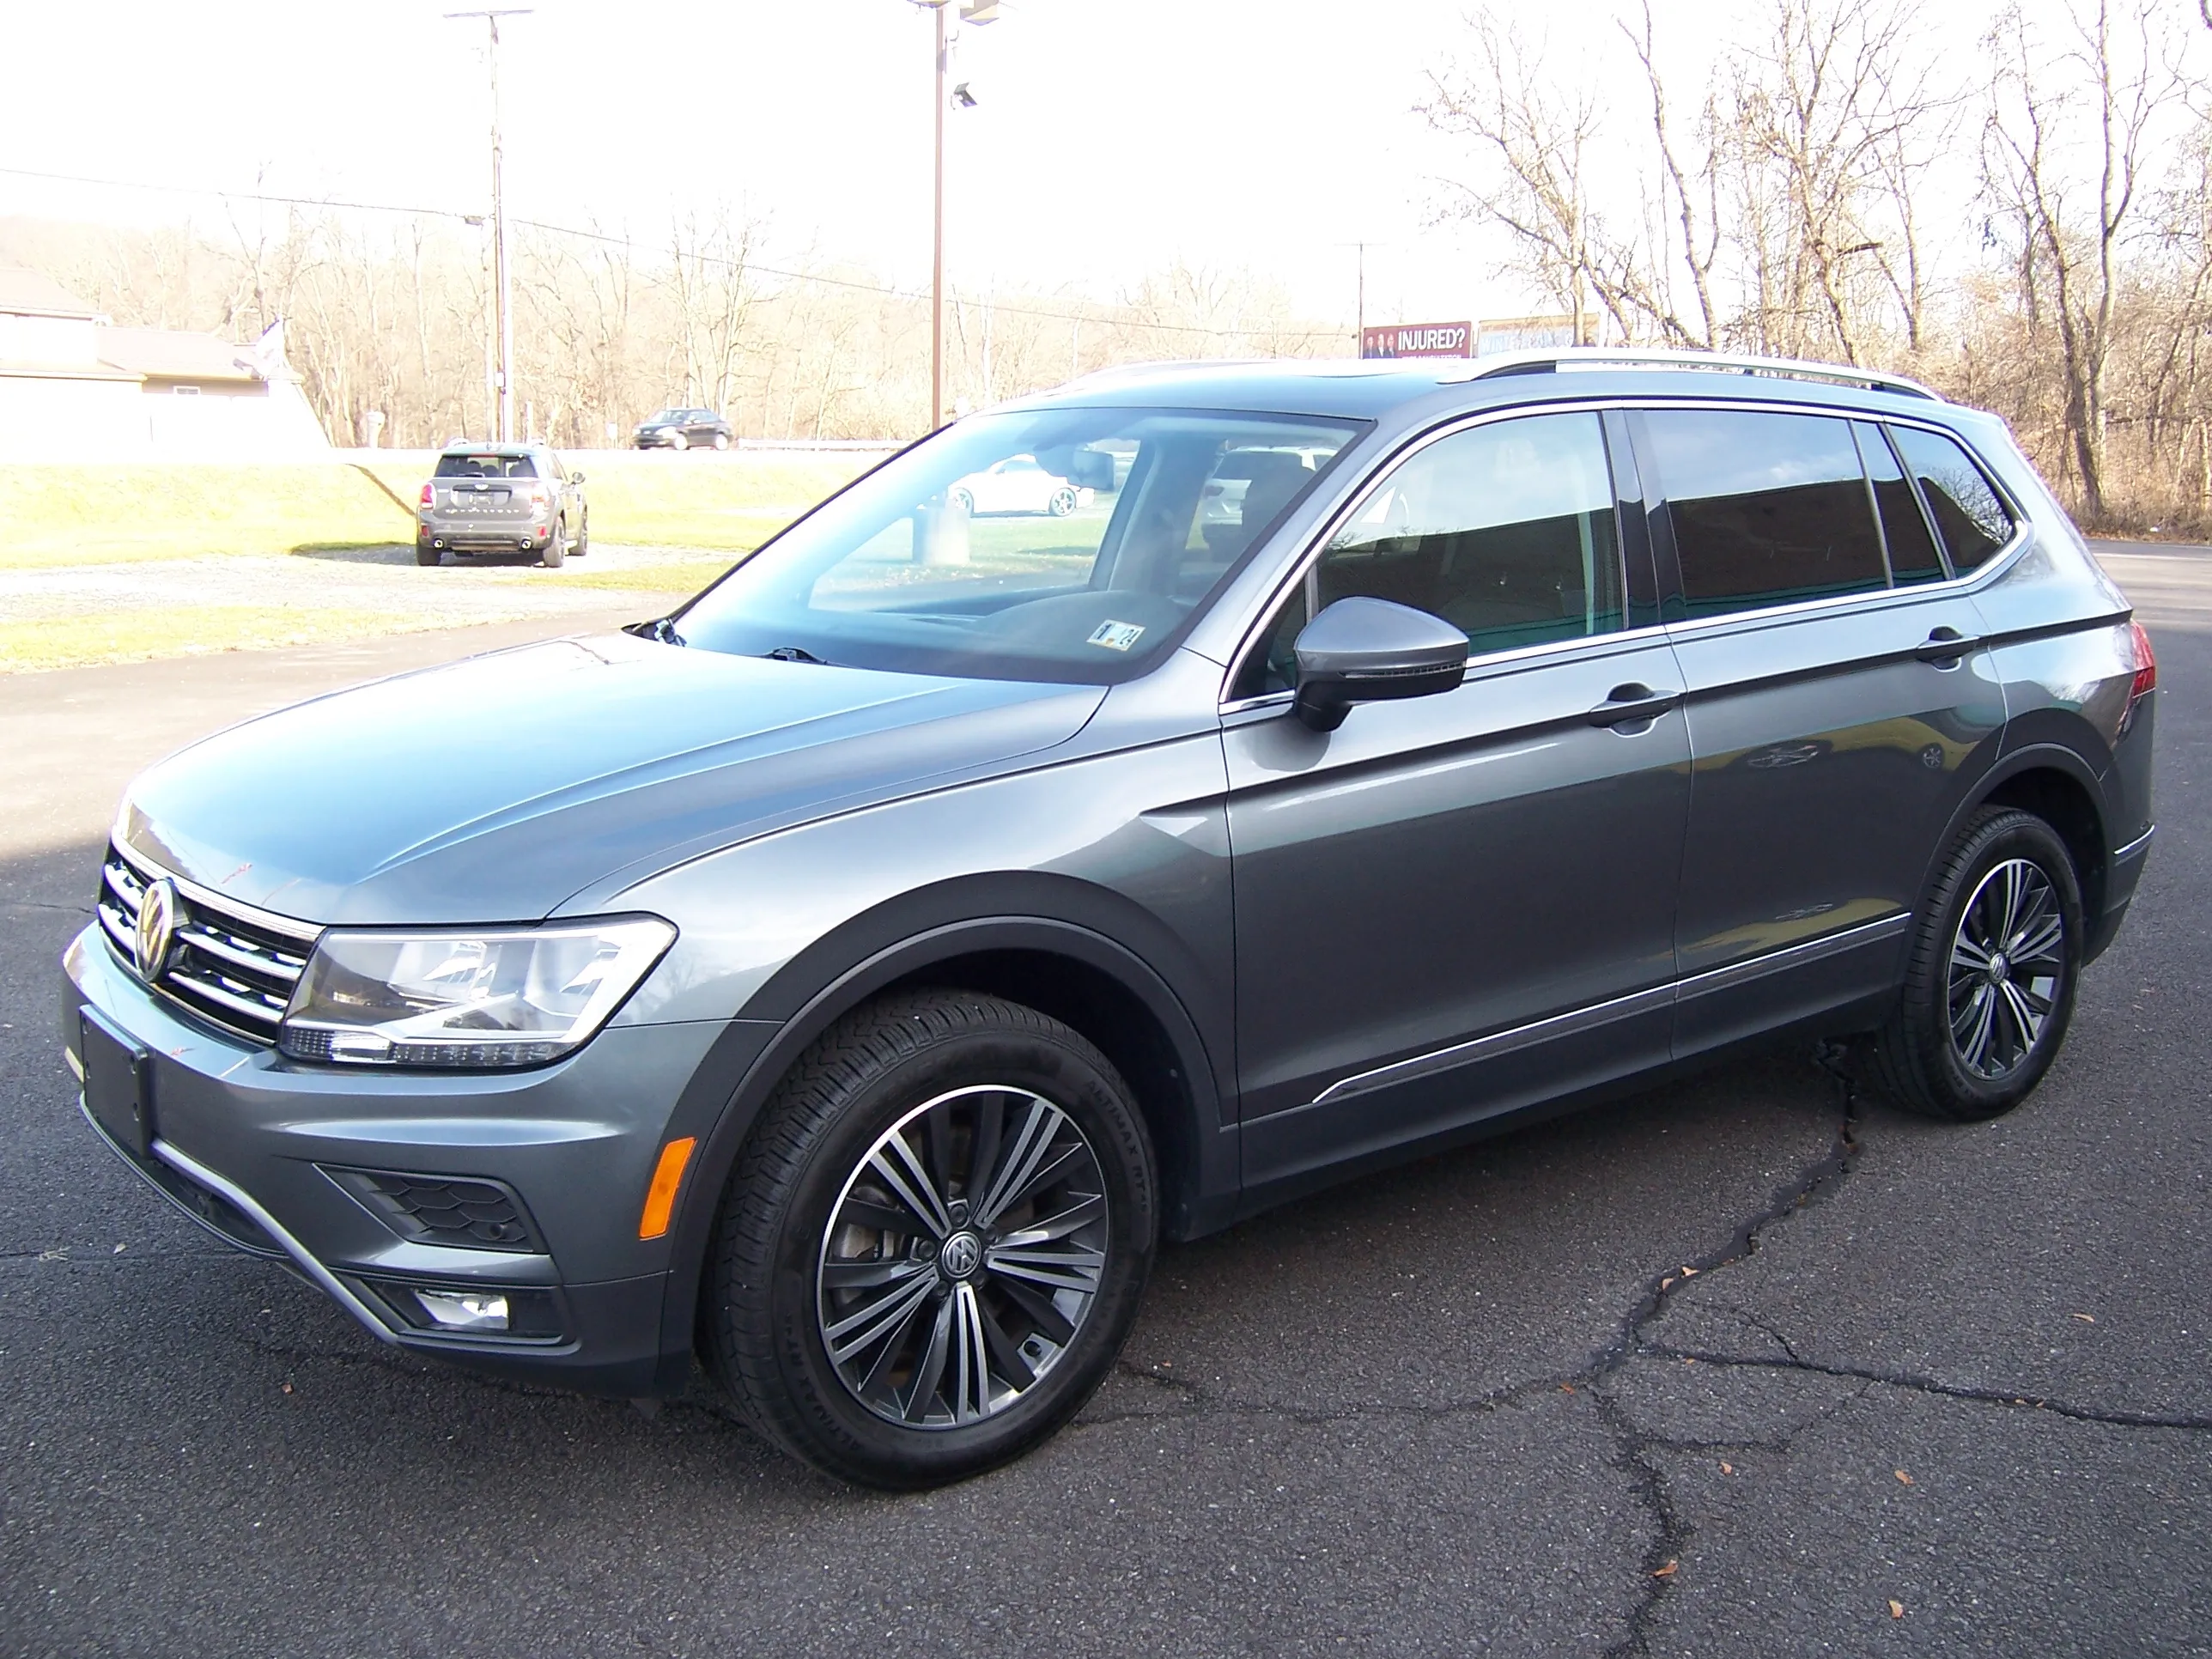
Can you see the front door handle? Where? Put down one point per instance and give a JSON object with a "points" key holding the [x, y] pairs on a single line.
{"points": [[1944, 646], [1624, 704]]}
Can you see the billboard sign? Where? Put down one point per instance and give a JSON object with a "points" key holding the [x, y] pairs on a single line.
{"points": [[1418, 340], [1494, 335]]}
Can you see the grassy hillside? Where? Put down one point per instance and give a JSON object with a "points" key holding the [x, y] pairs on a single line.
{"points": [[95, 514]]}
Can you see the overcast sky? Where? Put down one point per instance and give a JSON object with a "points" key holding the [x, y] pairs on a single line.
{"points": [[1110, 136]]}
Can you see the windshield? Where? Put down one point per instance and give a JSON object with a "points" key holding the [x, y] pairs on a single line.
{"points": [[1065, 545], [666, 417]]}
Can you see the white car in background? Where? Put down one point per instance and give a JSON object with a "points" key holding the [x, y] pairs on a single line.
{"points": [[1018, 484]]}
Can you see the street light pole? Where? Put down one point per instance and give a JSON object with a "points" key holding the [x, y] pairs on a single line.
{"points": [[502, 293]]}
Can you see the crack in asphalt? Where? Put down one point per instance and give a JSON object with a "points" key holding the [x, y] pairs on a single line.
{"points": [[1914, 1383]]}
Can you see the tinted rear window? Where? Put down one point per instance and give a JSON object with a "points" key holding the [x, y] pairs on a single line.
{"points": [[1767, 508], [486, 466], [1965, 507]]}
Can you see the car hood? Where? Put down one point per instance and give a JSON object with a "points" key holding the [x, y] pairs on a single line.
{"points": [[493, 788]]}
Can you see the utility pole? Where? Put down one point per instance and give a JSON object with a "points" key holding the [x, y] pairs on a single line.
{"points": [[503, 292], [1359, 338], [978, 12], [937, 243]]}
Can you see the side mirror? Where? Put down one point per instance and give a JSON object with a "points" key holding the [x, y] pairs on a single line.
{"points": [[1373, 650], [575, 477]]}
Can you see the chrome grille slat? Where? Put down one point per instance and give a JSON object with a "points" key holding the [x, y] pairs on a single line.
{"points": [[118, 926], [124, 883], [264, 1015], [286, 969], [230, 965]]}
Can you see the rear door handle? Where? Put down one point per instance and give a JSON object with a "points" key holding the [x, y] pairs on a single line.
{"points": [[1631, 702], [1945, 646]]}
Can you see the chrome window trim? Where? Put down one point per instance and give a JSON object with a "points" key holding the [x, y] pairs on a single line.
{"points": [[1592, 1015], [1308, 555], [1989, 568]]}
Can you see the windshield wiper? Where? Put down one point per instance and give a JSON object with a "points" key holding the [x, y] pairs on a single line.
{"points": [[660, 631], [795, 653]]}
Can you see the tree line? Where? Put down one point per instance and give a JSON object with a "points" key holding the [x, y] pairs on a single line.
{"points": [[2024, 225], [395, 316]]}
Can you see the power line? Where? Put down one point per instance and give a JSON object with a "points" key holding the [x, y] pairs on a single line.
{"points": [[1102, 314]]}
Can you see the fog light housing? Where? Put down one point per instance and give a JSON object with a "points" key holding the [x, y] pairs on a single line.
{"points": [[464, 1310]]}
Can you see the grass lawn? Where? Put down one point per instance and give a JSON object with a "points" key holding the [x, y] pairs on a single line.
{"points": [[100, 514], [135, 635]]}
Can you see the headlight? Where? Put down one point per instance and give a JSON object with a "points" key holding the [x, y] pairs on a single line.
{"points": [[467, 997]]}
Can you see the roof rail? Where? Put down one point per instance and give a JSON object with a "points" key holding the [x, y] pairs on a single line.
{"points": [[1721, 363]]}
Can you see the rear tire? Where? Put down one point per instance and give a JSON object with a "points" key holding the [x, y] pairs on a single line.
{"points": [[960, 1342], [427, 555], [1989, 988], [721, 440], [557, 547]]}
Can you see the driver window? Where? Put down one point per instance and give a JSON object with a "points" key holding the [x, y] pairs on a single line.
{"points": [[1506, 531]]}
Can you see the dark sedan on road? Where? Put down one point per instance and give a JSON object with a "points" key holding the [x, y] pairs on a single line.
{"points": [[852, 977], [685, 428]]}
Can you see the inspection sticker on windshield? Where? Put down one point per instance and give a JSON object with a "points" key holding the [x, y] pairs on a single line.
{"points": [[1116, 636]]}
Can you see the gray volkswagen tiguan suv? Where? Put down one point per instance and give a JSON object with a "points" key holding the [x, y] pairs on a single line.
{"points": [[851, 976]]}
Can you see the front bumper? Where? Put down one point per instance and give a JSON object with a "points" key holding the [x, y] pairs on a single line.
{"points": [[245, 1142]]}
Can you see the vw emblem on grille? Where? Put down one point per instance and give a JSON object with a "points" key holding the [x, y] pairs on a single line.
{"points": [[157, 928], [962, 1255]]}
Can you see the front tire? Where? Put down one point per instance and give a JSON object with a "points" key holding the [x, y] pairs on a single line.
{"points": [[935, 1240], [583, 542], [677, 440], [1989, 988]]}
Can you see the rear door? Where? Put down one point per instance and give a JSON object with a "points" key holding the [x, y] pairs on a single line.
{"points": [[1457, 904], [1832, 724]]}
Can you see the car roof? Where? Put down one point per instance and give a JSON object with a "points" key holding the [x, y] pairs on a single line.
{"points": [[1376, 388]]}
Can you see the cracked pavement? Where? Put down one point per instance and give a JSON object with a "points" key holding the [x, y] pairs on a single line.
{"points": [[1749, 1363]]}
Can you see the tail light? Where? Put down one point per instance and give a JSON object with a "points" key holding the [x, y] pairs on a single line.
{"points": [[2146, 681], [429, 496]]}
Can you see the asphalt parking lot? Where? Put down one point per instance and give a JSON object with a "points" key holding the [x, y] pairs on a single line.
{"points": [[1743, 1365]]}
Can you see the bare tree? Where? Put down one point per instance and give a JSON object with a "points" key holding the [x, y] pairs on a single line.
{"points": [[2115, 79]]}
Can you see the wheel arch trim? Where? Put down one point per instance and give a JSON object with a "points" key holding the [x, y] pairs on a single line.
{"points": [[770, 1034]]}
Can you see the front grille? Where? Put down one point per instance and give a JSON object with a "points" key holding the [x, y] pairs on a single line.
{"points": [[233, 966], [467, 1214]]}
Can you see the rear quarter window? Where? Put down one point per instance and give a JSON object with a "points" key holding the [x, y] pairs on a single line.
{"points": [[1967, 510]]}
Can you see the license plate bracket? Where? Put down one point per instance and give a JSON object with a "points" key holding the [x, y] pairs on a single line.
{"points": [[119, 1077]]}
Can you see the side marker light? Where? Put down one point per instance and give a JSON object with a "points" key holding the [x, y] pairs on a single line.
{"points": [[660, 1196]]}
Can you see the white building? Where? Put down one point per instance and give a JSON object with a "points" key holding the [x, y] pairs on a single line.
{"points": [[73, 387]]}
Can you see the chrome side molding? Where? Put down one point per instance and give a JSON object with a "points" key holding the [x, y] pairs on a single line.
{"points": [[1617, 1008]]}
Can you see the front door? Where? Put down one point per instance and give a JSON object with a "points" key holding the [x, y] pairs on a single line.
{"points": [[1453, 905], [1833, 731]]}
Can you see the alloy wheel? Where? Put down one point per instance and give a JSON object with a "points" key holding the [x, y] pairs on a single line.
{"points": [[962, 1257], [2008, 968]]}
